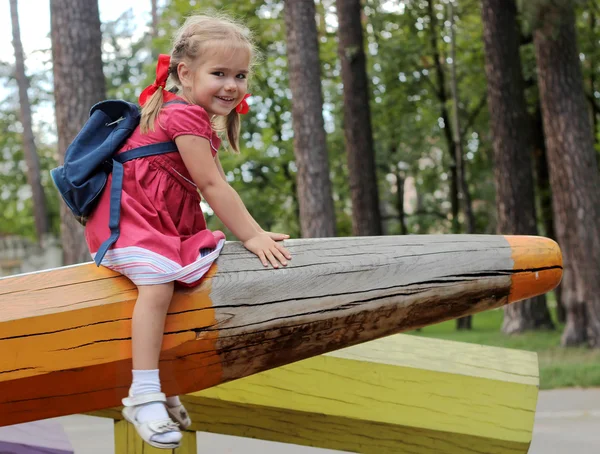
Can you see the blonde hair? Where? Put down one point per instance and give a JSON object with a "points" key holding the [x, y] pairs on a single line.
{"points": [[191, 42]]}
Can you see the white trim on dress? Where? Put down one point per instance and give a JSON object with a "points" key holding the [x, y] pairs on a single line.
{"points": [[145, 267]]}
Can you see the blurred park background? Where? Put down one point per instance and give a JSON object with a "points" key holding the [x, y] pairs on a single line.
{"points": [[378, 117]]}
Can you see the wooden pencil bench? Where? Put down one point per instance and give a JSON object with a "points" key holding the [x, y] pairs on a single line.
{"points": [[65, 333]]}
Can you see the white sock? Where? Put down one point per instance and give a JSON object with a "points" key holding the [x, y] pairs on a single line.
{"points": [[147, 381]]}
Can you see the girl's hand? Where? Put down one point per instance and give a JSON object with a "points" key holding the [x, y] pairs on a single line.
{"points": [[278, 236], [267, 249]]}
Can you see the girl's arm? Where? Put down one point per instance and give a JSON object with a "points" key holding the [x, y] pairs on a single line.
{"points": [[226, 203], [238, 198], [273, 235]]}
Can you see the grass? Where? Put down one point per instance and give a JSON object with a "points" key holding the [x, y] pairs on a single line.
{"points": [[559, 367]]}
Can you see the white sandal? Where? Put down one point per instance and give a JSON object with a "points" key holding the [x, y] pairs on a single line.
{"points": [[180, 415], [148, 429]]}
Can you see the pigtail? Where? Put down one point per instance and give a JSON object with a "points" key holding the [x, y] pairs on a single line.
{"points": [[151, 110], [232, 126], [154, 95]]}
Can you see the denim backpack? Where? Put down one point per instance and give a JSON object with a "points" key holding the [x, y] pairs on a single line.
{"points": [[91, 158]]}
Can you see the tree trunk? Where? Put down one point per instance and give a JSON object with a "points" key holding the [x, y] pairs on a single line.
{"points": [[321, 18], [545, 195], [366, 216], [317, 217], [400, 180], [592, 64], [463, 188], [78, 84], [464, 323], [512, 144], [277, 124], [40, 211], [443, 99], [573, 168], [154, 29], [154, 13]]}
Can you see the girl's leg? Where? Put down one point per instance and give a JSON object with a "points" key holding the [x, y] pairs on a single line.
{"points": [[148, 324]]}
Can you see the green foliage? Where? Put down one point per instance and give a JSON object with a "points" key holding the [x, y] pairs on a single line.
{"points": [[13, 179], [408, 127], [16, 204], [588, 30], [409, 134], [125, 58]]}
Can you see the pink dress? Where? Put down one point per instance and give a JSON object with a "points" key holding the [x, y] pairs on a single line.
{"points": [[163, 231]]}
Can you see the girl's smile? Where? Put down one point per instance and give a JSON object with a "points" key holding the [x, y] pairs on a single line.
{"points": [[219, 82]]}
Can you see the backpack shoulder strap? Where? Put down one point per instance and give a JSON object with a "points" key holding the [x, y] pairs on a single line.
{"points": [[146, 150]]}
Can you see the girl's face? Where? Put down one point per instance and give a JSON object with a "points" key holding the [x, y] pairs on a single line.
{"points": [[218, 82]]}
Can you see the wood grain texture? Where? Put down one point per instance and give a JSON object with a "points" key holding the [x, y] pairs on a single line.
{"points": [[399, 394], [65, 334]]}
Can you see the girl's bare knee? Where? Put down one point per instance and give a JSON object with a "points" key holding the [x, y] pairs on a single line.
{"points": [[156, 295]]}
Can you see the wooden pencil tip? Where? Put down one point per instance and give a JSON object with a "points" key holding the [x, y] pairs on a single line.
{"points": [[538, 266]]}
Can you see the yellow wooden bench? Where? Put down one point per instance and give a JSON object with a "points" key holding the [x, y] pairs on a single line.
{"points": [[400, 394]]}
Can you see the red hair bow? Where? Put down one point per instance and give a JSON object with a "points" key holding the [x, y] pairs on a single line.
{"points": [[243, 107], [162, 73]]}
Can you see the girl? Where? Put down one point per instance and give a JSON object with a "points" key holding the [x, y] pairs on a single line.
{"points": [[163, 235]]}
